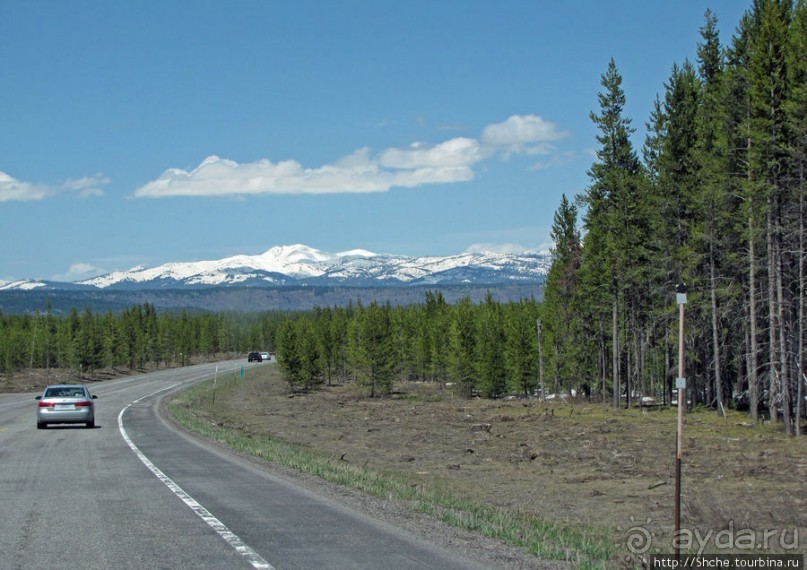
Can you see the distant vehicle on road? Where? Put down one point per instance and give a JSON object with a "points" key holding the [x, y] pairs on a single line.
{"points": [[65, 404], [265, 356], [254, 357]]}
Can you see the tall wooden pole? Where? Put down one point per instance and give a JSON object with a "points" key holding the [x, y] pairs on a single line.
{"points": [[680, 383]]}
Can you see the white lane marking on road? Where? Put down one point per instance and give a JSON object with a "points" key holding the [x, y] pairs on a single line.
{"points": [[255, 559]]}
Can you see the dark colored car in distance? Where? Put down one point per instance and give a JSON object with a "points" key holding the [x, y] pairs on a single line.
{"points": [[254, 356]]}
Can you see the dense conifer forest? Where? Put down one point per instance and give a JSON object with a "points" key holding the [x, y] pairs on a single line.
{"points": [[713, 199], [136, 338]]}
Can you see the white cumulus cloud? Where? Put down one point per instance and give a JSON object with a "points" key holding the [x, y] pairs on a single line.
{"points": [[454, 152], [87, 186], [12, 189], [522, 134], [356, 173], [496, 248], [362, 171], [80, 271]]}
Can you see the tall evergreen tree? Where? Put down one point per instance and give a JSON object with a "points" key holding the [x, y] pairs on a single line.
{"points": [[742, 182], [615, 221], [558, 313], [463, 340], [311, 351], [377, 359], [491, 369], [715, 242], [289, 354], [796, 109], [521, 346], [436, 314], [769, 92]]}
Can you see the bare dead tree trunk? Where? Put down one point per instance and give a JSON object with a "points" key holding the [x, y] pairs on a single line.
{"points": [[643, 374], [800, 356], [786, 418], [667, 373], [715, 333], [772, 321], [753, 379], [557, 369], [753, 372], [540, 361], [615, 349], [630, 365], [631, 361], [602, 362]]}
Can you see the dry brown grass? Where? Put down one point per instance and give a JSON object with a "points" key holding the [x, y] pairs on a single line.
{"points": [[578, 463]]}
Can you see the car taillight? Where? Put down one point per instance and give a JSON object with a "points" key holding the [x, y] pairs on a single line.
{"points": [[83, 404], [46, 404]]}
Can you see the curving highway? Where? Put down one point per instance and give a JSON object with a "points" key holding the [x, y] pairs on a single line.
{"points": [[136, 493]]}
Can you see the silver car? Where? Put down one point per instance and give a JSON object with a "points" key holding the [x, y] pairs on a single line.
{"points": [[65, 404]]}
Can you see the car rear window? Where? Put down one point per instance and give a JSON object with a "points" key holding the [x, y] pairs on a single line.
{"points": [[64, 393]]}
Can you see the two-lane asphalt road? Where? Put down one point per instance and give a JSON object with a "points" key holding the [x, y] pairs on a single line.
{"points": [[136, 493]]}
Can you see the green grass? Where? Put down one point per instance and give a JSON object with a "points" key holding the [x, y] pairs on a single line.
{"points": [[587, 548]]}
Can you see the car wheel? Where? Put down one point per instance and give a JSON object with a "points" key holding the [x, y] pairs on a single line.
{"points": [[40, 425], [91, 424]]}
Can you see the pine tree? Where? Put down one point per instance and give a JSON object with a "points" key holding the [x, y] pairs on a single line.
{"points": [[491, 369], [742, 182], [558, 311], [436, 314], [796, 109], [769, 91], [289, 354], [326, 335], [615, 222], [714, 205], [463, 340], [521, 346], [377, 358]]}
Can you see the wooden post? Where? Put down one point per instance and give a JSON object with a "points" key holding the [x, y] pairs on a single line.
{"points": [[215, 379], [680, 383]]}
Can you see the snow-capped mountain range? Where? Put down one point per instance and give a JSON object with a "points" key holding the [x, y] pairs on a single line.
{"points": [[303, 265]]}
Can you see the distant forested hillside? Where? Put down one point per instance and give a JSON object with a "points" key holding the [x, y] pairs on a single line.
{"points": [[247, 299]]}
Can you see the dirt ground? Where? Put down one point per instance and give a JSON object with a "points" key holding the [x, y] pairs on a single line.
{"points": [[579, 463], [574, 462]]}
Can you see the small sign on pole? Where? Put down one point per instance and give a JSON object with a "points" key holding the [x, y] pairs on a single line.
{"points": [[681, 294]]}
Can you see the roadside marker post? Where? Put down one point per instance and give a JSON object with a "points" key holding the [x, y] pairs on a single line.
{"points": [[680, 384], [215, 379]]}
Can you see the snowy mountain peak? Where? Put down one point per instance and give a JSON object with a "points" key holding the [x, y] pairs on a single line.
{"points": [[357, 253], [302, 265], [21, 285], [297, 253]]}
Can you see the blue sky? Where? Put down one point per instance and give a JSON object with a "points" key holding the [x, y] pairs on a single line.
{"points": [[138, 133]]}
